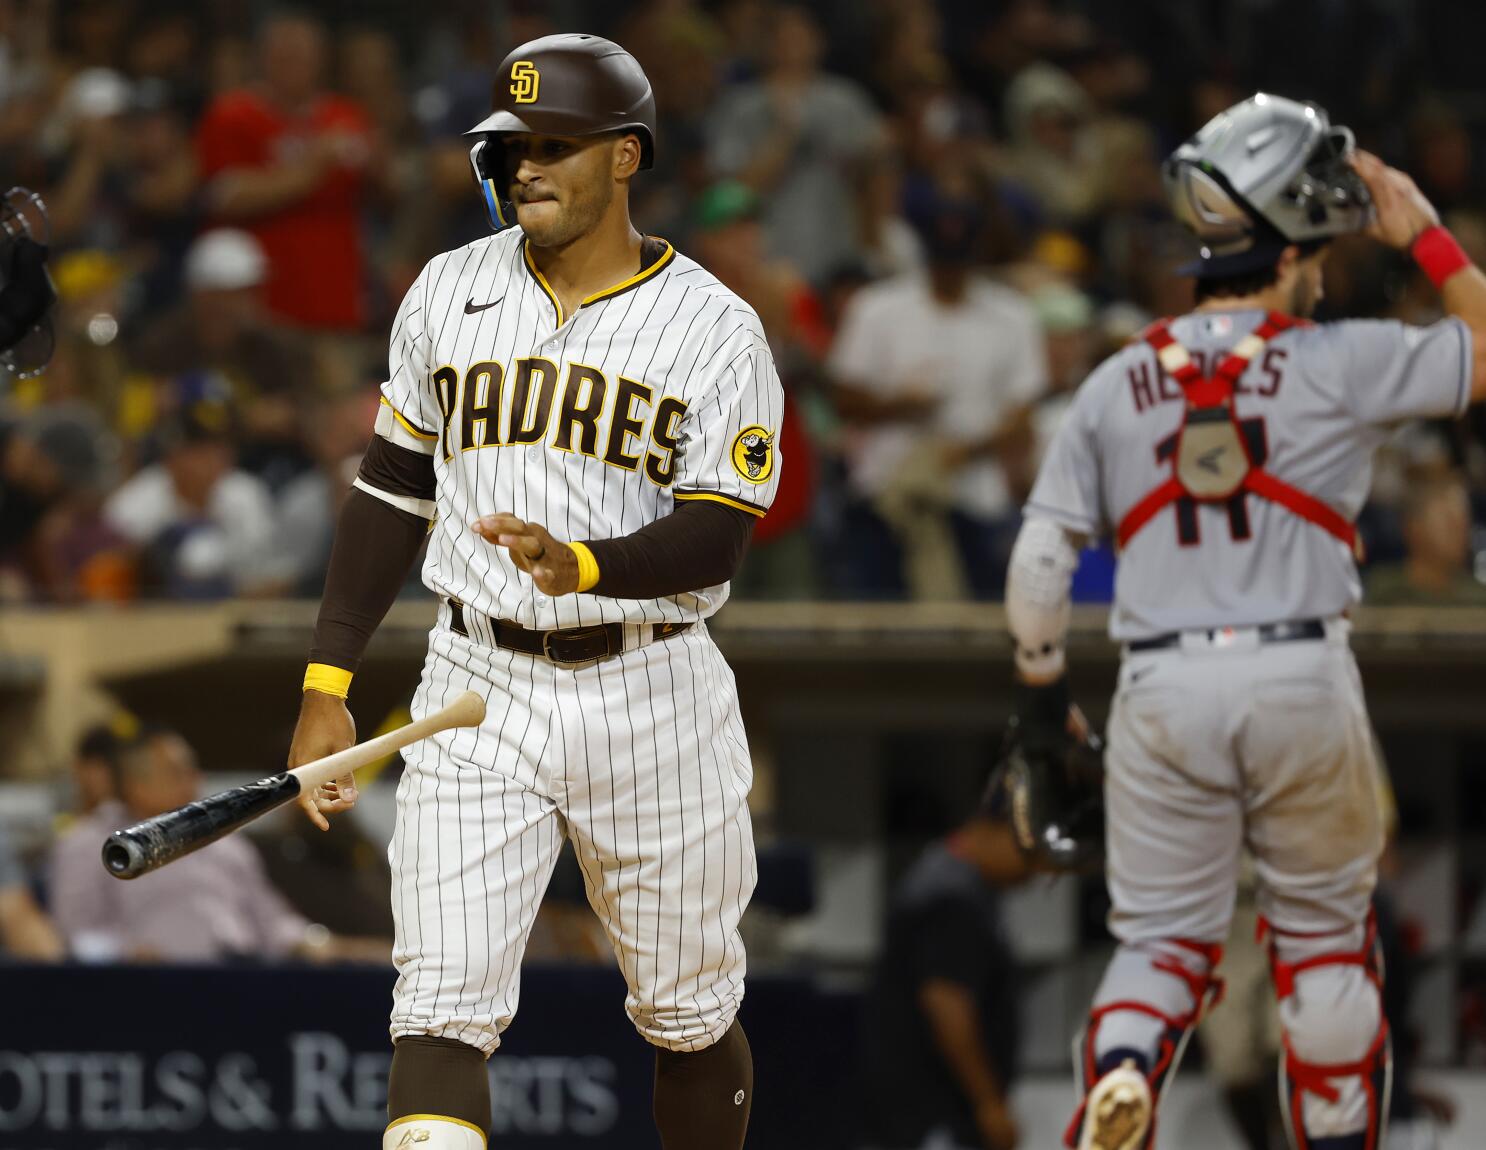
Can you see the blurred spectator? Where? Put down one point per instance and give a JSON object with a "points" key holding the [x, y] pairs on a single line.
{"points": [[49, 461], [223, 327], [727, 243], [158, 193], [1435, 571], [1066, 316], [289, 163], [142, 122], [681, 49], [942, 1023], [886, 243], [203, 529], [25, 931], [1067, 319], [164, 47], [934, 374], [130, 184], [1047, 118], [370, 72], [339, 431], [1442, 155], [794, 136], [213, 905], [95, 768], [85, 129]]}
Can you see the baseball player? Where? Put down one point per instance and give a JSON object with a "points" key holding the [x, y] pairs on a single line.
{"points": [[1229, 451], [582, 422]]}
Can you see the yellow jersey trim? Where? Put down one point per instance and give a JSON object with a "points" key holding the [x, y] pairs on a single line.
{"points": [[405, 1119], [412, 430], [588, 566], [638, 278], [542, 281], [328, 680], [624, 285], [723, 499]]}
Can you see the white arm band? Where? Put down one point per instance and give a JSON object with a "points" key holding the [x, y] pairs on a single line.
{"points": [[1037, 600], [422, 508]]}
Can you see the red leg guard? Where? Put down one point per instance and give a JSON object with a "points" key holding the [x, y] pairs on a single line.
{"points": [[1207, 992], [1299, 1077]]}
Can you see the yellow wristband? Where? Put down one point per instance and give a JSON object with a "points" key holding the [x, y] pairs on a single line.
{"points": [[588, 566], [327, 679]]}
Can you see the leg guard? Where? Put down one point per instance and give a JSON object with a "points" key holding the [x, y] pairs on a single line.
{"points": [[1120, 1087], [1336, 1070]]}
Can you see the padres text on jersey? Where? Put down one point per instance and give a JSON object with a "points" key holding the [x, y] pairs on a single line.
{"points": [[594, 423]]}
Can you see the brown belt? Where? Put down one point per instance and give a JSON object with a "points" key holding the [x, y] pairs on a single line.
{"points": [[572, 646]]}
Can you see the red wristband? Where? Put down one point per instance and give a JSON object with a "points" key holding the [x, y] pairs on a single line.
{"points": [[1438, 255]]}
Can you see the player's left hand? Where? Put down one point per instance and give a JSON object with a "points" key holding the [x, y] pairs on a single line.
{"points": [[550, 562], [1401, 212]]}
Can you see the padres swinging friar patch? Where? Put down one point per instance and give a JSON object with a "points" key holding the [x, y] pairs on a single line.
{"points": [[753, 453]]}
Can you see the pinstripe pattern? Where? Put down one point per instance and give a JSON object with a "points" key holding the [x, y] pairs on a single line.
{"points": [[640, 761], [678, 332]]}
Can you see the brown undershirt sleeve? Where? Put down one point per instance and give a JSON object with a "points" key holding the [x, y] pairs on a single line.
{"points": [[699, 544], [375, 547]]}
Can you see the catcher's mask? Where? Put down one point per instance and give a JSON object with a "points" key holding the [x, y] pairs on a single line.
{"points": [[27, 294], [1266, 173], [1055, 804]]}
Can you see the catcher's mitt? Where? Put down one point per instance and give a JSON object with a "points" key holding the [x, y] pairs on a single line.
{"points": [[1049, 782]]}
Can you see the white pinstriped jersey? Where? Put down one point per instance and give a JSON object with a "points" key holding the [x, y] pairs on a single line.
{"points": [[661, 388]]}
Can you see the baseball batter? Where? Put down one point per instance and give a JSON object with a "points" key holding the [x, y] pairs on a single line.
{"points": [[1229, 452], [582, 422]]}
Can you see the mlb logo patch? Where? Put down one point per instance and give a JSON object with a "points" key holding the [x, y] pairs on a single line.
{"points": [[1219, 325]]}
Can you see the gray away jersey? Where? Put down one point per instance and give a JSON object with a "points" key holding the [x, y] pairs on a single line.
{"points": [[1316, 403], [593, 424]]}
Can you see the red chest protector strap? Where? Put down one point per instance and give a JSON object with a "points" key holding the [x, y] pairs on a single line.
{"points": [[1215, 391]]}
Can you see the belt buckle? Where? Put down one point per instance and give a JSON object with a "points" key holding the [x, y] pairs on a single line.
{"points": [[553, 643]]}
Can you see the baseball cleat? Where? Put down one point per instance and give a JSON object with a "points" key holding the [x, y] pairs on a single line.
{"points": [[1118, 1113]]}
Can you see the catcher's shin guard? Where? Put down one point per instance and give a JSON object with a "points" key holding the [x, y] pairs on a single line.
{"points": [[1327, 1081], [1120, 1091]]}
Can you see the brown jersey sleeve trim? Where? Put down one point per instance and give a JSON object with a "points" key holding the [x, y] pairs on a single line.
{"points": [[682, 494], [698, 545], [375, 547], [397, 470]]}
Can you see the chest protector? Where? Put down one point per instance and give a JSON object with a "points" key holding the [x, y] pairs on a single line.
{"points": [[1212, 462]]}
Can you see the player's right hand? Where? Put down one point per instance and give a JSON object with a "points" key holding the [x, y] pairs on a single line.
{"points": [[1401, 211], [325, 726]]}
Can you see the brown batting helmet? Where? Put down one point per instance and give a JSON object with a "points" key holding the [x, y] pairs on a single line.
{"points": [[571, 84]]}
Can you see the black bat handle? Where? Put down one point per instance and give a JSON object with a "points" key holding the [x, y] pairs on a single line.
{"points": [[154, 842]]}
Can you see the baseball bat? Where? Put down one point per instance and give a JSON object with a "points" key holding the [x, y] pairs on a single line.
{"points": [[150, 844]]}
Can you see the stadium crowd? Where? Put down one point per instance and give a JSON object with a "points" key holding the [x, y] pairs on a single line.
{"points": [[945, 213]]}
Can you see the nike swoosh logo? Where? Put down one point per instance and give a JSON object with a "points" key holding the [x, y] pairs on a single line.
{"points": [[471, 307], [1208, 460], [1137, 676]]}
